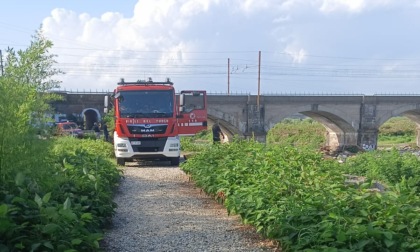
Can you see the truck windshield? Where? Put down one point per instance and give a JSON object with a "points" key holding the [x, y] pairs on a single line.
{"points": [[146, 104]]}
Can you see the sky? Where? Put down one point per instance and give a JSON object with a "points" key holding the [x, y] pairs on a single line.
{"points": [[237, 46]]}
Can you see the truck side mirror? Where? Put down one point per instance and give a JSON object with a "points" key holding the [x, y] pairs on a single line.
{"points": [[181, 100], [106, 102]]}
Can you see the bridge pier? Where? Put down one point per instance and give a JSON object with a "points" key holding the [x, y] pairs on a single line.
{"points": [[368, 130], [255, 123], [368, 139]]}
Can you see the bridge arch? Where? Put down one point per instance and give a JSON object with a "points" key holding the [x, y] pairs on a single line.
{"points": [[90, 116], [411, 111], [341, 130]]}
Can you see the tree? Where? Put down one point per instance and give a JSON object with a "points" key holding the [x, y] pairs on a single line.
{"points": [[24, 97], [33, 66]]}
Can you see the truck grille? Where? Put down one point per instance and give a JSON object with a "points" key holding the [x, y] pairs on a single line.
{"points": [[149, 144], [147, 128]]}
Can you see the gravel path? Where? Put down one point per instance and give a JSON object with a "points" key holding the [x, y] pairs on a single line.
{"points": [[159, 209]]}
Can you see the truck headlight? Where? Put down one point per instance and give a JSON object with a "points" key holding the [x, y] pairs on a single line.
{"points": [[173, 145], [121, 145]]}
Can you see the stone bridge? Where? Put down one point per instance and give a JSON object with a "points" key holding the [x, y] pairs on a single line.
{"points": [[348, 119]]}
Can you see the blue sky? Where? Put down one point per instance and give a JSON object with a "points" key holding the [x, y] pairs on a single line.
{"points": [[307, 46]]}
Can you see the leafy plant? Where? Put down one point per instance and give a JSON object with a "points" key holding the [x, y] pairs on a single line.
{"points": [[303, 201], [55, 194], [390, 167], [65, 209], [197, 142]]}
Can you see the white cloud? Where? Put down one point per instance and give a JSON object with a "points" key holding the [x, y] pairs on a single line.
{"points": [[329, 6], [111, 18], [250, 6], [148, 12], [195, 7], [168, 38], [349, 5], [282, 19], [297, 54]]}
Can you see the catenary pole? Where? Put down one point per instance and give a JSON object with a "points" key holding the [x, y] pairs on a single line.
{"points": [[259, 79], [228, 90]]}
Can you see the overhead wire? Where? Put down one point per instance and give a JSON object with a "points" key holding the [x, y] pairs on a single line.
{"points": [[204, 64]]}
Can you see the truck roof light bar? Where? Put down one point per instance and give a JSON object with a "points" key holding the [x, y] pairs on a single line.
{"points": [[148, 82]]}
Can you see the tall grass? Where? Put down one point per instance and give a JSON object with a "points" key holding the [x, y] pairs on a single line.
{"points": [[397, 130]]}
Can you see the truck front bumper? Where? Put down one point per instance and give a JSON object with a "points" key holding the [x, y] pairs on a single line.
{"points": [[168, 147]]}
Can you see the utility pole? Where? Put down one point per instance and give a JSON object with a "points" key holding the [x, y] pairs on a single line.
{"points": [[228, 91], [259, 79], [1, 63]]}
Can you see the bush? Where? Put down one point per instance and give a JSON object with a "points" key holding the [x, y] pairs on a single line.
{"points": [[197, 142], [298, 198], [55, 194], [64, 207], [389, 167]]}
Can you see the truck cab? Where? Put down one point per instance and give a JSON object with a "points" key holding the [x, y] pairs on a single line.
{"points": [[149, 120]]}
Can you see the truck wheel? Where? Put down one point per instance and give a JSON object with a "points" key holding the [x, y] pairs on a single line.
{"points": [[120, 161], [175, 161]]}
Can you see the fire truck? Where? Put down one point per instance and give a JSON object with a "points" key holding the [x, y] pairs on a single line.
{"points": [[150, 118]]}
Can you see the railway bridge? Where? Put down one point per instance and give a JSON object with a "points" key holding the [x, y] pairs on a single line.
{"points": [[348, 119]]}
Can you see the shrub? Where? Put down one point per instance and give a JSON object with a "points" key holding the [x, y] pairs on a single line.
{"points": [[298, 198]]}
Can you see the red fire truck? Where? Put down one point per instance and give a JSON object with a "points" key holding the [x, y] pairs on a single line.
{"points": [[150, 118]]}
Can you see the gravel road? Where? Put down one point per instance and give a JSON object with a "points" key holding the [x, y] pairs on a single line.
{"points": [[159, 209]]}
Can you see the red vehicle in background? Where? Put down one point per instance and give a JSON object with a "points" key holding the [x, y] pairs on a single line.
{"points": [[70, 129], [149, 119]]}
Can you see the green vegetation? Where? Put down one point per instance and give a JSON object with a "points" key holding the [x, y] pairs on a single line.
{"points": [[296, 197], [291, 194], [55, 193], [310, 134], [305, 133], [389, 167], [109, 119], [397, 130], [398, 126], [198, 142], [59, 197], [24, 102]]}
